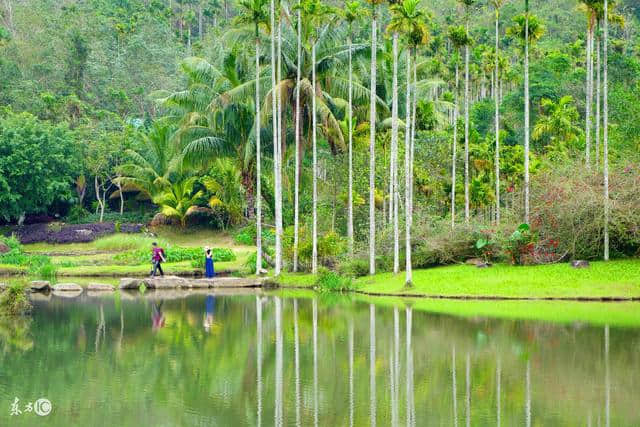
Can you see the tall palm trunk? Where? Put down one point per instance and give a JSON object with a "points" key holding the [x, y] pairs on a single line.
{"points": [[350, 123], [258, 163], [413, 130], [296, 209], [394, 158], [280, 146], [497, 120], [314, 256], [407, 177], [454, 155], [275, 136], [589, 100], [526, 113], [466, 126], [598, 98], [605, 83], [372, 147]]}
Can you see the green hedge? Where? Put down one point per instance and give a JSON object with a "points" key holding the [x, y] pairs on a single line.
{"points": [[175, 254]]}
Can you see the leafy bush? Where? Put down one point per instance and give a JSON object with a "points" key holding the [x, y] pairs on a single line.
{"points": [[175, 254], [78, 215], [14, 301], [39, 265], [250, 264], [354, 267], [331, 247], [521, 245], [247, 236], [330, 281]]}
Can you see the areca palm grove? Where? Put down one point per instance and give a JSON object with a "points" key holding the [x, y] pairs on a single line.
{"points": [[347, 142]]}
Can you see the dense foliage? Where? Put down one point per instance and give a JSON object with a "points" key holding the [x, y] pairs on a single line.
{"points": [[136, 107]]}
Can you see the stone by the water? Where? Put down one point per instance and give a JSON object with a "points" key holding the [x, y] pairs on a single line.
{"points": [[580, 264], [67, 287], [100, 287], [483, 265], [3, 286], [4, 248], [130, 283], [40, 286]]}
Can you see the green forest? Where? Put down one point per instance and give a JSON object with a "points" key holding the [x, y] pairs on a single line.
{"points": [[357, 136]]}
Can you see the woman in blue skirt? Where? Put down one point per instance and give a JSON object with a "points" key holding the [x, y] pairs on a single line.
{"points": [[209, 272]]}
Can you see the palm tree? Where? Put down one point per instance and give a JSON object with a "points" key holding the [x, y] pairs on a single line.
{"points": [[372, 139], [605, 83], [352, 11], [177, 199], [467, 5], [296, 202], [408, 19], [497, 4], [459, 38], [393, 28], [557, 121], [254, 12], [316, 13], [590, 37], [528, 29]]}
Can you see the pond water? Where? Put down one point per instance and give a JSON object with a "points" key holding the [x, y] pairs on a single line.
{"points": [[300, 359]]}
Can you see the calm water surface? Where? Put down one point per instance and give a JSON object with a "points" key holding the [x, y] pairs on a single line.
{"points": [[247, 360]]}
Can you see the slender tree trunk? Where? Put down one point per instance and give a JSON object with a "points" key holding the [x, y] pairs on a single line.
{"points": [[258, 163], [454, 155], [605, 82], [314, 258], [526, 115], [497, 120], [407, 177], [350, 124], [121, 197], [274, 113], [394, 158], [280, 147], [598, 98], [372, 148], [199, 21], [296, 209], [466, 127], [413, 129], [589, 101]]}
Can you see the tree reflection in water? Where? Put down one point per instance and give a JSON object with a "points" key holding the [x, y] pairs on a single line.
{"points": [[243, 376]]}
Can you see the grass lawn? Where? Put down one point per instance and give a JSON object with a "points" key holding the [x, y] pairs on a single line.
{"points": [[602, 279]]}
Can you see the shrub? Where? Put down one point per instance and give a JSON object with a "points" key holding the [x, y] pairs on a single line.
{"points": [[330, 281], [354, 267], [331, 247], [250, 264], [126, 242], [175, 254], [247, 236], [14, 301]]}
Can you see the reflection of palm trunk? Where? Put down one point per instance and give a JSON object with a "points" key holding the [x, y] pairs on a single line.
{"points": [[468, 390], [278, 393], [607, 379], [454, 391], [498, 379], [296, 350], [315, 362], [372, 364], [410, 409], [259, 357], [395, 369], [528, 394], [351, 397]]}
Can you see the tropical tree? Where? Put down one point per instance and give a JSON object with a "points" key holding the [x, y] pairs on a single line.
{"points": [[254, 12], [558, 123], [372, 138], [497, 5], [587, 6], [528, 29], [410, 20], [178, 199], [605, 83], [224, 184], [150, 169], [459, 38], [351, 12], [276, 142], [467, 6]]}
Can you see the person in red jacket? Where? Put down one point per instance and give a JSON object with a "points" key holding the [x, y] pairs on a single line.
{"points": [[157, 258]]}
